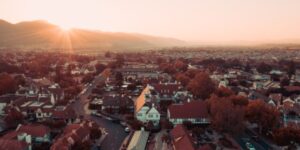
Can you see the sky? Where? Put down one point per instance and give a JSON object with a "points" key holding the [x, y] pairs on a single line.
{"points": [[203, 21]]}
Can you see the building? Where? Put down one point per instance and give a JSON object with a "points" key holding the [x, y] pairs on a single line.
{"points": [[117, 104], [195, 112], [181, 138], [138, 140], [145, 109], [74, 133]]}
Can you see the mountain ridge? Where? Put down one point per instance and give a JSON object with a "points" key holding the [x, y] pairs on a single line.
{"points": [[41, 34]]}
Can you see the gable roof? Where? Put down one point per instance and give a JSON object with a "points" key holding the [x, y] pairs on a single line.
{"points": [[141, 100], [181, 138], [12, 144], [73, 133], [193, 109], [34, 130], [166, 88]]}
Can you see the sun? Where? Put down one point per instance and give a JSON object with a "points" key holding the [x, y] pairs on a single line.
{"points": [[65, 27]]}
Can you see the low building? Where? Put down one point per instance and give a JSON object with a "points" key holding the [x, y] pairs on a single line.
{"points": [[138, 140], [37, 133], [74, 133], [195, 112], [117, 104], [181, 139]]}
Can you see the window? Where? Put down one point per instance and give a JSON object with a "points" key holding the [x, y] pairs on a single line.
{"points": [[150, 116]]}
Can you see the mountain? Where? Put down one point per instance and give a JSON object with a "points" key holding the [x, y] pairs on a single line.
{"points": [[43, 35]]}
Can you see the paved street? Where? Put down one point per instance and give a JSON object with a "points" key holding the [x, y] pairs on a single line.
{"points": [[259, 144], [116, 133]]}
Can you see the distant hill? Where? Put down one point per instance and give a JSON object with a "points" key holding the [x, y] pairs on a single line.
{"points": [[43, 35]]}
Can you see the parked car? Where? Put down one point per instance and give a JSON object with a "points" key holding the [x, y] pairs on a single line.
{"points": [[127, 129]]}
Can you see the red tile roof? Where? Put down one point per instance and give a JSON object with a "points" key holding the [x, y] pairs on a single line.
{"points": [[292, 88], [12, 145], [193, 109], [181, 138], [64, 114], [75, 132], [34, 130], [166, 89]]}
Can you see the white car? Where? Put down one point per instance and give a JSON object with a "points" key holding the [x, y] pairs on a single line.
{"points": [[127, 129]]}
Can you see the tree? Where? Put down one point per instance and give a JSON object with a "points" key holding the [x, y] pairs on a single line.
{"points": [[7, 84], [86, 145], [167, 68], [286, 135], [182, 78], [239, 100], [223, 92], [225, 116], [180, 65], [71, 92], [13, 118], [291, 68], [201, 86], [119, 78], [99, 68], [191, 73], [131, 87], [264, 68], [198, 131], [107, 54], [284, 81], [95, 133], [87, 78], [265, 116], [120, 60]]}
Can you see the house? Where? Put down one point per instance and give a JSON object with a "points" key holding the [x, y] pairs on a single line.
{"points": [[292, 89], [132, 73], [223, 83], [64, 113], [275, 99], [14, 144], [117, 104], [145, 109], [288, 102], [138, 140], [39, 133], [73, 133], [181, 138], [168, 91], [35, 133], [253, 95], [194, 111], [258, 85], [6, 100]]}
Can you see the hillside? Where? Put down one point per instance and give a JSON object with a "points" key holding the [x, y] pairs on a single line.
{"points": [[43, 35]]}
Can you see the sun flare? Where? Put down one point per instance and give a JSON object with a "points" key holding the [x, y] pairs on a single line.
{"points": [[65, 27]]}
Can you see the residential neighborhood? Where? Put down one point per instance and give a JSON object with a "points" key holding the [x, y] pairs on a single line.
{"points": [[157, 103]]}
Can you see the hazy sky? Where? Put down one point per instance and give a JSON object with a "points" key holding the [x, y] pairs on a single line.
{"points": [[192, 20]]}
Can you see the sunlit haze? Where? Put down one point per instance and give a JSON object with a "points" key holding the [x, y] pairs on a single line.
{"points": [[206, 21]]}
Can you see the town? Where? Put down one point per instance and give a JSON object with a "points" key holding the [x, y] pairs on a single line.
{"points": [[166, 99]]}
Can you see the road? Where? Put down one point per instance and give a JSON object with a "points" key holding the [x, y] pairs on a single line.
{"points": [[116, 133], [259, 144]]}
